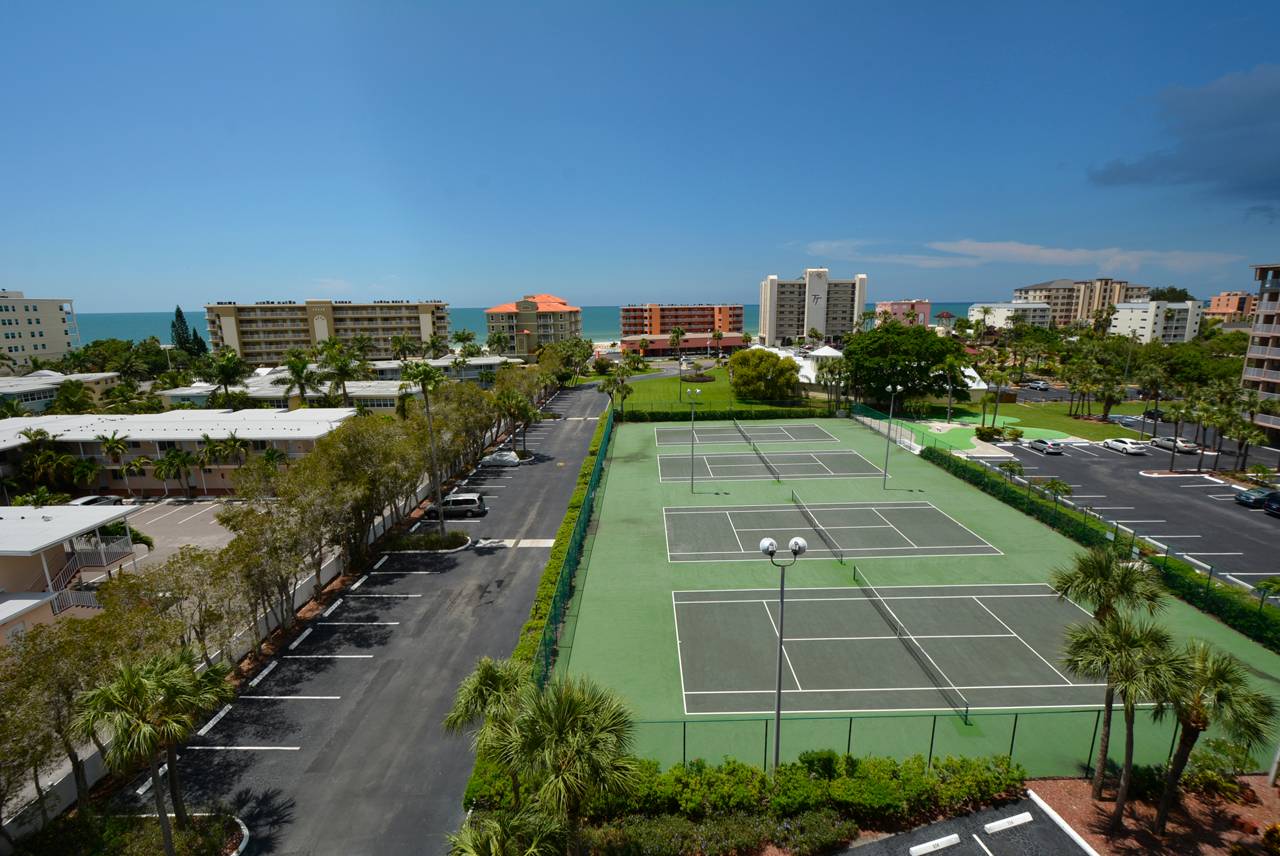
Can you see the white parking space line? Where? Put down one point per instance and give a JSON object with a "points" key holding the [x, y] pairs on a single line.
{"points": [[296, 642], [1089, 496], [210, 507], [337, 603], [263, 673], [1171, 537], [326, 656], [167, 513], [1111, 507], [1211, 484], [292, 697], [226, 708], [1216, 554], [359, 623], [403, 573], [380, 563], [1142, 521], [248, 748], [359, 582], [384, 595]]}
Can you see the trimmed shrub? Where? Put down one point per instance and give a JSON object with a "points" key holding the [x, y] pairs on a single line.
{"points": [[806, 834]]}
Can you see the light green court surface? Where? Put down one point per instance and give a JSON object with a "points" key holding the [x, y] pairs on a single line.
{"points": [[999, 631]]}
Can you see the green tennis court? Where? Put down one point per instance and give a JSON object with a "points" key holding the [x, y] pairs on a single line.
{"points": [[758, 432], [731, 466]]}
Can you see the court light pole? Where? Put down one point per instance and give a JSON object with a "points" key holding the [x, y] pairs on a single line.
{"points": [[888, 434], [693, 433], [769, 547]]}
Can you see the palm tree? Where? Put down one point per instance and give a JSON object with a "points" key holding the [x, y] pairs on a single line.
{"points": [[675, 338], [226, 368], [234, 448], [274, 458], [1178, 413], [526, 833], [84, 472], [1248, 435], [436, 346], [298, 375], [952, 368], [498, 342], [1135, 658], [1216, 693], [176, 464], [1104, 581], [486, 702], [717, 336], [40, 497], [131, 707], [11, 408], [72, 397], [428, 378], [340, 365], [574, 737], [643, 345], [1269, 587], [461, 338], [134, 467], [403, 347]]}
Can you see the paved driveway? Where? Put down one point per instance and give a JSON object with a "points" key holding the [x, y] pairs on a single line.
{"points": [[338, 748]]}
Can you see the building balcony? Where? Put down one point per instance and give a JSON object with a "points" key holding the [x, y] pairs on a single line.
{"points": [[1251, 373], [1259, 351]]}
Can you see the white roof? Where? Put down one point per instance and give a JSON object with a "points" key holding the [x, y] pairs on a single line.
{"points": [[826, 351], [47, 379], [13, 605], [308, 423], [25, 530]]}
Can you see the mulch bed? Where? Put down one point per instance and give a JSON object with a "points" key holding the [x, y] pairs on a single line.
{"points": [[1199, 826]]}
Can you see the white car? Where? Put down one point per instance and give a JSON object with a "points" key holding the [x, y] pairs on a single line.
{"points": [[500, 459], [1126, 445], [1041, 385]]}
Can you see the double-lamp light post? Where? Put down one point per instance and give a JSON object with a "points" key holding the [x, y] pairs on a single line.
{"points": [[769, 547]]}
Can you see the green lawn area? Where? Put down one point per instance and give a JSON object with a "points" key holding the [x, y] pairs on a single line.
{"points": [[664, 393], [1048, 420]]}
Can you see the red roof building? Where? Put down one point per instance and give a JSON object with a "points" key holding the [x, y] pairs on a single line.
{"points": [[533, 321]]}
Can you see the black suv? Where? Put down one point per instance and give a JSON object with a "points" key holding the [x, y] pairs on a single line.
{"points": [[1272, 505], [1153, 414]]}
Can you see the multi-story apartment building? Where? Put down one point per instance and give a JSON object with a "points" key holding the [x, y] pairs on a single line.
{"points": [[1157, 321], [914, 311], [1262, 360], [533, 321], [1002, 315], [1232, 306], [36, 391], [1076, 302], [262, 332], [659, 319], [41, 327], [790, 308]]}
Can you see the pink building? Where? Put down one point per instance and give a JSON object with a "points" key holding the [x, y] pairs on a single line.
{"points": [[905, 311]]}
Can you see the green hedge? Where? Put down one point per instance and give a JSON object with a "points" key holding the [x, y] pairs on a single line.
{"points": [[1232, 605], [744, 413], [806, 834], [1077, 526]]}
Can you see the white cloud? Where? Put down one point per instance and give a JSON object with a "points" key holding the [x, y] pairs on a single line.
{"points": [[970, 253]]}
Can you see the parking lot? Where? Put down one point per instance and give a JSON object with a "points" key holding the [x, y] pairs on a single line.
{"points": [[171, 525], [1194, 515]]}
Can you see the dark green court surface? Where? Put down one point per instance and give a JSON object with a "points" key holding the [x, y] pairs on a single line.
{"points": [[970, 647], [824, 464], [853, 530], [758, 432]]}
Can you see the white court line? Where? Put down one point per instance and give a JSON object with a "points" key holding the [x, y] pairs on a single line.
{"points": [[913, 636], [1023, 641], [930, 688], [675, 614], [296, 642], [782, 644], [359, 582], [901, 534], [262, 674], [734, 530], [881, 588], [226, 708], [867, 599]]}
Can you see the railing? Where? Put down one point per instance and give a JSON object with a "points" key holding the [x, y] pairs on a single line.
{"points": [[67, 598], [99, 554], [1261, 374], [64, 577], [1266, 328], [1261, 351]]}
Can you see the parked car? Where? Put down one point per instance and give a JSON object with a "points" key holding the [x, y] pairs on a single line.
{"points": [[1153, 414], [1046, 447], [1041, 385], [96, 500], [1256, 497], [1271, 505], [460, 505], [1126, 445], [1182, 445], [500, 459]]}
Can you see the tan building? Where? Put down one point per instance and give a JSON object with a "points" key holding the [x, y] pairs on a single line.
{"points": [[1229, 306], [262, 332], [659, 319], [790, 308], [534, 321], [1262, 360], [36, 327], [1075, 302]]}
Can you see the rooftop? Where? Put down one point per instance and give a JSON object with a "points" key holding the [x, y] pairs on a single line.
{"points": [[47, 379], [308, 423], [25, 531], [13, 605], [545, 302]]}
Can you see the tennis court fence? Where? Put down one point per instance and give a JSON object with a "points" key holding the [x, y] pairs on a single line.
{"points": [[555, 628], [1045, 743]]}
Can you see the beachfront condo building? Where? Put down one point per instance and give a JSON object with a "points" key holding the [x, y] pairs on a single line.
{"points": [[1001, 316], [659, 319], [262, 332], [790, 308], [1157, 321], [43, 327], [1262, 360], [1076, 302], [1229, 306], [533, 321]]}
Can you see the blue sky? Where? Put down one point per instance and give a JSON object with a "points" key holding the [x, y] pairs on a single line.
{"points": [[156, 153]]}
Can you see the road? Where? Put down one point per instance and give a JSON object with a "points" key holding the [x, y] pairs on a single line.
{"points": [[338, 749]]}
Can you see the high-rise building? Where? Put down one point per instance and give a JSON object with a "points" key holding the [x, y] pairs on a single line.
{"points": [[533, 321], [659, 319], [1232, 306], [1262, 360], [1157, 321], [262, 332], [1076, 302], [43, 327], [790, 308], [914, 311]]}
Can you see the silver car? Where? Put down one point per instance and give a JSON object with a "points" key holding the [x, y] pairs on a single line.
{"points": [[1180, 444], [1127, 445]]}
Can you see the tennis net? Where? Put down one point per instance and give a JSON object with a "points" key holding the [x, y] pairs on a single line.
{"points": [[954, 697], [764, 459], [835, 548]]}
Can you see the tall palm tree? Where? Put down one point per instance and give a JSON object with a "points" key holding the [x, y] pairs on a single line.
{"points": [[130, 706], [717, 336], [498, 342], [84, 472], [72, 397], [462, 338], [234, 447], [1177, 413], [274, 458], [485, 703], [176, 464], [427, 378], [403, 347], [1216, 693], [134, 467], [340, 365], [436, 346], [1104, 581], [226, 368], [952, 368], [1248, 435], [574, 736], [643, 345], [299, 376]]}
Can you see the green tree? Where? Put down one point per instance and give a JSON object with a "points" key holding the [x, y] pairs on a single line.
{"points": [[340, 364], [1214, 693], [135, 467], [225, 368], [11, 408], [526, 833], [894, 354], [180, 331], [71, 398], [951, 370], [299, 376], [1107, 584], [176, 464], [427, 378], [1178, 412], [498, 342], [761, 375], [41, 496], [436, 346], [403, 347], [486, 703], [1171, 294]]}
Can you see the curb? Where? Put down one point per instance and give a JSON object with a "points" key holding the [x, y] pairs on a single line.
{"points": [[1062, 824], [244, 835], [470, 541]]}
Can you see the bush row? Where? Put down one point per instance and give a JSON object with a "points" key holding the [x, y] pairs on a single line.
{"points": [[995, 433], [806, 834], [1076, 526], [740, 413], [1233, 606]]}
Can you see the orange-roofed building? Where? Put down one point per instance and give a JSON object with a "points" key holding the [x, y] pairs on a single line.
{"points": [[534, 321]]}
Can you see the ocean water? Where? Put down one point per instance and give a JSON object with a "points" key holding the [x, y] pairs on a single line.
{"points": [[599, 323]]}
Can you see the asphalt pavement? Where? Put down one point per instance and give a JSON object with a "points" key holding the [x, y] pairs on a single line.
{"points": [[336, 747], [1022, 828]]}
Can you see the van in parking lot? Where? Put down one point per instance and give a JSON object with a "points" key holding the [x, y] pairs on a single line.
{"points": [[460, 505]]}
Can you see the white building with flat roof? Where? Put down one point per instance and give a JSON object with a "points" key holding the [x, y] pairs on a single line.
{"points": [[1004, 315], [790, 308], [1157, 321], [36, 391]]}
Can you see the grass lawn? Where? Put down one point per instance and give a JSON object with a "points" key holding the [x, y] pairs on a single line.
{"points": [[1048, 420], [664, 393]]}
